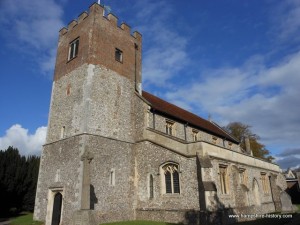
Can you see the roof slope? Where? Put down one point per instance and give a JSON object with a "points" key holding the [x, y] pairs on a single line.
{"points": [[183, 115]]}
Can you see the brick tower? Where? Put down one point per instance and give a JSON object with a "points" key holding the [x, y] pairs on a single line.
{"points": [[96, 87]]}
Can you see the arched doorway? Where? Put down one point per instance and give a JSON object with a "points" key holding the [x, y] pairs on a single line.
{"points": [[56, 212], [255, 190]]}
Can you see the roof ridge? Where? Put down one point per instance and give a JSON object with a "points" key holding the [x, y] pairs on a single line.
{"points": [[217, 125], [179, 113]]}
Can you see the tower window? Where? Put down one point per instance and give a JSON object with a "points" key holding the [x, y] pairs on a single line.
{"points": [[73, 49], [171, 179], [119, 55], [112, 177], [62, 132]]}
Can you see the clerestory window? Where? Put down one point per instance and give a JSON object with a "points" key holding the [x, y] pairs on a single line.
{"points": [[170, 127], [195, 135]]}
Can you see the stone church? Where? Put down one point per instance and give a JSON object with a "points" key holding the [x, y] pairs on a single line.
{"points": [[136, 156]]}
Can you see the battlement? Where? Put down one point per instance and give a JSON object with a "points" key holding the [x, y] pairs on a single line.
{"points": [[96, 9]]}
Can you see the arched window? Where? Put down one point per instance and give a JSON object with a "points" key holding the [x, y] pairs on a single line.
{"points": [[171, 178]]}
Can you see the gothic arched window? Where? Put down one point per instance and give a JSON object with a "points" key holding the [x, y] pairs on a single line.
{"points": [[171, 178]]}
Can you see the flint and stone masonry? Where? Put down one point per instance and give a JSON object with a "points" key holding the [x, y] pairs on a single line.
{"points": [[151, 160]]}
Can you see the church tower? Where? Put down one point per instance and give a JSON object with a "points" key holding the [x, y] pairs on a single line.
{"points": [[93, 109]]}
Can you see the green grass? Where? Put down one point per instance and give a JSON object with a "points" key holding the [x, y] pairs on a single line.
{"points": [[24, 219], [139, 223], [298, 206]]}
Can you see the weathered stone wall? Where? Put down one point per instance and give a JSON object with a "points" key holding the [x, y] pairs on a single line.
{"points": [[150, 158], [99, 102], [185, 132], [112, 201], [99, 36], [60, 168]]}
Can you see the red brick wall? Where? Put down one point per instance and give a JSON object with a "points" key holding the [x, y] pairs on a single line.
{"points": [[99, 36]]}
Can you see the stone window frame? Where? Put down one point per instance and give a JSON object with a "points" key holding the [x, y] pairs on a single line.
{"points": [[175, 181], [214, 140], [118, 55], [112, 177], [243, 175], [63, 132], [170, 127], [195, 134], [224, 179], [265, 183], [68, 90], [73, 49], [151, 186]]}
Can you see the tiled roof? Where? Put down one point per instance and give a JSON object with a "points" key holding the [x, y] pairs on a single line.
{"points": [[185, 116]]}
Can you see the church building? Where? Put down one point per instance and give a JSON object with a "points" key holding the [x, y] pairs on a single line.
{"points": [[126, 154]]}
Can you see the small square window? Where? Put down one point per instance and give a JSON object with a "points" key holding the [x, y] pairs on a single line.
{"points": [[73, 49], [119, 55]]}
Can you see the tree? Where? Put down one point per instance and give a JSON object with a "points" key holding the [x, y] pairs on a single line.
{"points": [[240, 131], [18, 179]]}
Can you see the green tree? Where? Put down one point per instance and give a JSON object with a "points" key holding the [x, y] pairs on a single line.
{"points": [[18, 179], [240, 131]]}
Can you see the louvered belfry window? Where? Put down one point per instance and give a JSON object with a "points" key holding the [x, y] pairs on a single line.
{"points": [[171, 177]]}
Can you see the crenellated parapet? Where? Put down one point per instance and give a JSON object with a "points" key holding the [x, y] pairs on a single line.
{"points": [[99, 39], [99, 10]]}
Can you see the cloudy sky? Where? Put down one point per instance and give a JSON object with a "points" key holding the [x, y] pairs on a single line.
{"points": [[236, 60]]}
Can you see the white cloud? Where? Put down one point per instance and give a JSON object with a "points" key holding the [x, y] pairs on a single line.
{"points": [[19, 137], [287, 20], [31, 27], [265, 98]]}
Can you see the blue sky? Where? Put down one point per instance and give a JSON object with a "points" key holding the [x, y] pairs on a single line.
{"points": [[236, 60]]}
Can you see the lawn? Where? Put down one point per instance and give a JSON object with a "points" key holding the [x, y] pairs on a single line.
{"points": [[139, 223], [298, 206], [27, 219], [24, 219]]}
